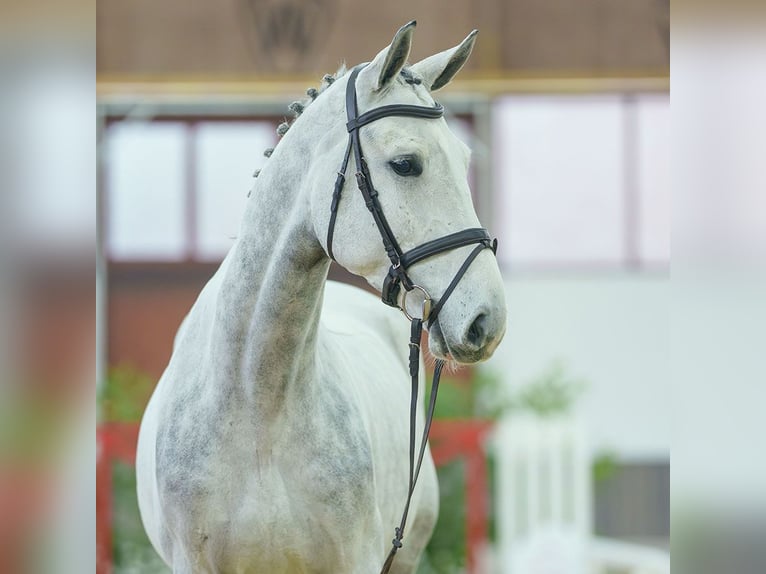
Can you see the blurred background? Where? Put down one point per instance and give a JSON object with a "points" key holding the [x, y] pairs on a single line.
{"points": [[554, 455]]}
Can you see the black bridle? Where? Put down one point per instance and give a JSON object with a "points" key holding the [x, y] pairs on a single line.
{"points": [[397, 276]]}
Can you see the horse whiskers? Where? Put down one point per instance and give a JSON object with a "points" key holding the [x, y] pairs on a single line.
{"points": [[450, 365]]}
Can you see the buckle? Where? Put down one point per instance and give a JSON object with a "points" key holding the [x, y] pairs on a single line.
{"points": [[390, 291]]}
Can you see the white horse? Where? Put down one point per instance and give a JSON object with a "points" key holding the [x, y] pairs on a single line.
{"points": [[277, 438]]}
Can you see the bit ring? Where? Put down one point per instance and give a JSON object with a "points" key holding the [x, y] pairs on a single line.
{"points": [[425, 310]]}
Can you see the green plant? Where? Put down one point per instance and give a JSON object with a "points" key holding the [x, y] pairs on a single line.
{"points": [[551, 393], [124, 394], [605, 465], [446, 552], [131, 550], [484, 396], [477, 398]]}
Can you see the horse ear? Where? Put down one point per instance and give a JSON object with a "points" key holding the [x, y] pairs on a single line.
{"points": [[437, 70], [389, 62]]}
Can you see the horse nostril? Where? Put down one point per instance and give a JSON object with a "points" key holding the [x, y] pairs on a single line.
{"points": [[477, 332]]}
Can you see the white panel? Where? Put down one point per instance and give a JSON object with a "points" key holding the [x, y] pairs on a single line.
{"points": [[227, 153], [653, 172], [145, 191], [559, 179], [609, 330]]}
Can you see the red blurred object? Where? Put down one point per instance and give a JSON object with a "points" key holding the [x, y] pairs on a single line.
{"points": [[25, 503], [115, 442], [450, 439]]}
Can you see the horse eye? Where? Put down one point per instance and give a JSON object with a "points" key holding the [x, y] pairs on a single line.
{"points": [[406, 166]]}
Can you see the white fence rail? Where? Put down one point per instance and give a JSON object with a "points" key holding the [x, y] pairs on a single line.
{"points": [[544, 505]]}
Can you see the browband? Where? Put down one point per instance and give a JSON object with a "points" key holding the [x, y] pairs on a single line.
{"points": [[405, 110]]}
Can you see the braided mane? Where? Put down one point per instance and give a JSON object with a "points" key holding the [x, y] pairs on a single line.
{"points": [[297, 107]]}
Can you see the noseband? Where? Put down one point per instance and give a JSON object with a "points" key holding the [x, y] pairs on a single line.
{"points": [[397, 276]]}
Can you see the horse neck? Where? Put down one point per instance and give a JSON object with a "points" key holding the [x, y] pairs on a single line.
{"points": [[270, 296]]}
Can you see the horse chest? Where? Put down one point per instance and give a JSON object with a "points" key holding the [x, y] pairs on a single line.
{"points": [[309, 493], [328, 455]]}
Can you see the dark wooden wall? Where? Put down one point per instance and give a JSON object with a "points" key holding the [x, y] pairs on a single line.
{"points": [[148, 301], [267, 38]]}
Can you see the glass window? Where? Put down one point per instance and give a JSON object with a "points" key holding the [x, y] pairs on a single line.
{"points": [[653, 174], [226, 154], [558, 173], [145, 182]]}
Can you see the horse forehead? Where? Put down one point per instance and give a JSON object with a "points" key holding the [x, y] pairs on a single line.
{"points": [[397, 134], [415, 135]]}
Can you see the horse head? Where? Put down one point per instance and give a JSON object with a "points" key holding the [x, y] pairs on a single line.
{"points": [[419, 171]]}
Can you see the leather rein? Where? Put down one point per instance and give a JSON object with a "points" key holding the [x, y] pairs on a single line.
{"points": [[397, 276]]}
